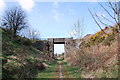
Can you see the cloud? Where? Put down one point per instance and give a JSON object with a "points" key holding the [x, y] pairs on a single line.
{"points": [[56, 4], [26, 4], [2, 5], [57, 15]]}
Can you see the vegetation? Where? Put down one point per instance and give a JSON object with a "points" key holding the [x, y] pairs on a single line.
{"points": [[15, 20], [97, 56], [50, 72], [53, 71], [19, 58]]}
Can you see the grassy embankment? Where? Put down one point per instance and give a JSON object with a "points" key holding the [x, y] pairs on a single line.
{"points": [[97, 55], [19, 57]]}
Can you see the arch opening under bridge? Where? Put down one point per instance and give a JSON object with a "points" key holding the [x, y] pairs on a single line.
{"points": [[52, 41]]}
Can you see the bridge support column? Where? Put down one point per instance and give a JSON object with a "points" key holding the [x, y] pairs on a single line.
{"points": [[53, 49]]}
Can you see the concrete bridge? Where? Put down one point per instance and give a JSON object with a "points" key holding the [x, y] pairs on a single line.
{"points": [[57, 40], [52, 41], [47, 46]]}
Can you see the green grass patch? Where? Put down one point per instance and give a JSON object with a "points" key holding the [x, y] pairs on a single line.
{"points": [[69, 71], [49, 72]]}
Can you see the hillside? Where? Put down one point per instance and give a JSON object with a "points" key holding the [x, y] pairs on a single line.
{"points": [[97, 56], [19, 57]]}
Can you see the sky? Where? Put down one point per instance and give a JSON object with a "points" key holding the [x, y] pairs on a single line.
{"points": [[56, 19]]}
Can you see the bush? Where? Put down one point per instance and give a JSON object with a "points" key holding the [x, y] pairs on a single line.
{"points": [[109, 38], [96, 38], [27, 42], [115, 29]]}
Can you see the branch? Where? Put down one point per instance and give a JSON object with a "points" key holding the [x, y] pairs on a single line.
{"points": [[106, 19], [96, 21], [108, 12], [111, 6], [101, 21]]}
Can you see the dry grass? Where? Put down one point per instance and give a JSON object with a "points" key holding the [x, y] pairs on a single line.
{"points": [[97, 61]]}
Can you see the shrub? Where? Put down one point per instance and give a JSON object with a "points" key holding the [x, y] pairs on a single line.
{"points": [[40, 66], [27, 42], [102, 37], [115, 29], [96, 38], [31, 60], [109, 38]]}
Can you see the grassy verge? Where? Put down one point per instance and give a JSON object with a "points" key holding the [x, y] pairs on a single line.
{"points": [[53, 71], [50, 72], [68, 71], [19, 57]]}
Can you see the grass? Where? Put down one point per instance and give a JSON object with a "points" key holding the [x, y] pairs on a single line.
{"points": [[111, 73], [69, 71], [18, 59], [50, 72], [53, 70]]}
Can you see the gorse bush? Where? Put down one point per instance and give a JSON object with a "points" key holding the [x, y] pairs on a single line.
{"points": [[99, 37], [96, 38]]}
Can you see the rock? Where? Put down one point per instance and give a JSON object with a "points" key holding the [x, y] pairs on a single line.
{"points": [[45, 65], [40, 66]]}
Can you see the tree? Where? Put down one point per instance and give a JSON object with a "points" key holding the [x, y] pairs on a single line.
{"points": [[33, 34], [77, 30], [114, 15], [15, 20]]}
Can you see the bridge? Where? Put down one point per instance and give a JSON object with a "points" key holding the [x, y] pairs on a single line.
{"points": [[47, 45], [52, 41], [57, 40]]}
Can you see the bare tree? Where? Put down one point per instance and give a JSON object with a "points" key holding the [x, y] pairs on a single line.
{"points": [[15, 20], [114, 15], [33, 34], [77, 30]]}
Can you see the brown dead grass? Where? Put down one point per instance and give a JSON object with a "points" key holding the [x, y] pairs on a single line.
{"points": [[95, 60]]}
